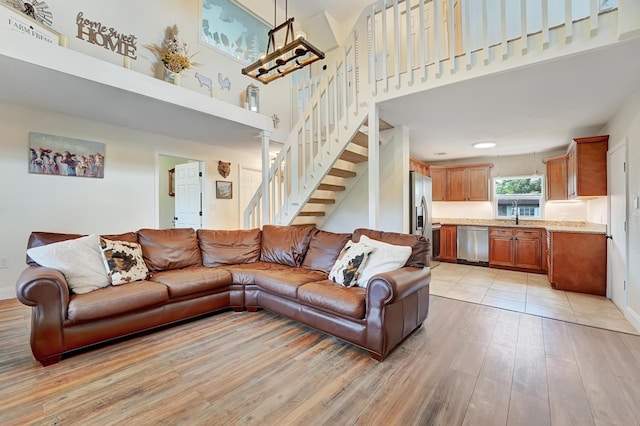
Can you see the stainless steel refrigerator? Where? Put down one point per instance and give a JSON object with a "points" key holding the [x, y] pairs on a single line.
{"points": [[420, 206]]}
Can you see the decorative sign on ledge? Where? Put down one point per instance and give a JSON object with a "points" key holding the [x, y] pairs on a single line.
{"points": [[17, 21], [95, 32]]}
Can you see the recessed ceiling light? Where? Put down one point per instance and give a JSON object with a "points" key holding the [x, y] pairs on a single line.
{"points": [[484, 145]]}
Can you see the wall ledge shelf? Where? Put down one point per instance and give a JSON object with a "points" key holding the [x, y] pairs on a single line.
{"points": [[62, 80]]}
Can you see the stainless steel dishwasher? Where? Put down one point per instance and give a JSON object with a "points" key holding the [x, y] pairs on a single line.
{"points": [[473, 245]]}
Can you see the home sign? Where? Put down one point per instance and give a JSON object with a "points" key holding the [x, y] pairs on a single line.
{"points": [[95, 32]]}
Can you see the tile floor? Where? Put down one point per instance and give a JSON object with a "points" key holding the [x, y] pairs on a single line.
{"points": [[525, 292]]}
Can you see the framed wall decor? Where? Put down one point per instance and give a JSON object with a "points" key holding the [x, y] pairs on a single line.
{"points": [[224, 190], [57, 155], [228, 27], [172, 182]]}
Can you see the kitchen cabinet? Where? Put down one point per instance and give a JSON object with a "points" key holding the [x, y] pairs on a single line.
{"points": [[469, 183], [461, 183], [578, 262], [556, 188], [515, 248], [438, 189], [418, 166], [587, 167], [448, 243]]}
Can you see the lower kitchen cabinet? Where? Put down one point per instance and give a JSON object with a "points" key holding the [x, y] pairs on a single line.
{"points": [[515, 248], [448, 243], [578, 262]]}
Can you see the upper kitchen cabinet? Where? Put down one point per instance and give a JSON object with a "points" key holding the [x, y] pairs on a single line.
{"points": [[556, 178], [467, 183], [438, 183], [587, 167]]}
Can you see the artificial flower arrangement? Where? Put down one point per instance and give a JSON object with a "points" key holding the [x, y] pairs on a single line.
{"points": [[173, 52]]}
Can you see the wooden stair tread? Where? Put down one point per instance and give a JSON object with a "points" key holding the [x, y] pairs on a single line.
{"points": [[311, 214], [329, 187], [321, 201], [341, 173], [361, 139], [353, 157], [383, 125]]}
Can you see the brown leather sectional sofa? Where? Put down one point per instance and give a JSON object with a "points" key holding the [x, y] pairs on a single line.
{"points": [[281, 269]]}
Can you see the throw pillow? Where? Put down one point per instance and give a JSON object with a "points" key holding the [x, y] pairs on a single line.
{"points": [[123, 261], [79, 260], [350, 263], [385, 258]]}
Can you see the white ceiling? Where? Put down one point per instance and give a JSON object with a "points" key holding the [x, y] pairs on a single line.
{"points": [[339, 9], [533, 109]]}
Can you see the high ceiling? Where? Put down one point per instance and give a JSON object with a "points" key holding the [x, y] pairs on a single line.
{"points": [[533, 109]]}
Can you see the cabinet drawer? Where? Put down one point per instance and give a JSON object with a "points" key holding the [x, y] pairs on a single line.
{"points": [[527, 233], [500, 232]]}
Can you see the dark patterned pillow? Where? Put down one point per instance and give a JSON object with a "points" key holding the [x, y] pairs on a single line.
{"points": [[123, 261], [350, 264]]}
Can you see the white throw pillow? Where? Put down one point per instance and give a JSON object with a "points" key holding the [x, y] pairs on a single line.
{"points": [[351, 261], [79, 260], [123, 261], [385, 258]]}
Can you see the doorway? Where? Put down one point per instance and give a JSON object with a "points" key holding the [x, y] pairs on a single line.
{"points": [[617, 243], [167, 194]]}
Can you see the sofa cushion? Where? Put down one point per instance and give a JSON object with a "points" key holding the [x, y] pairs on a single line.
{"points": [[386, 257], [348, 301], [229, 247], [418, 243], [286, 282], [246, 273], [350, 264], [39, 239], [79, 260], [188, 281], [285, 245], [123, 261], [324, 249], [110, 301], [166, 249]]}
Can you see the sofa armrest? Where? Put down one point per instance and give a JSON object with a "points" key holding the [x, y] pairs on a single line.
{"points": [[46, 290], [389, 287]]}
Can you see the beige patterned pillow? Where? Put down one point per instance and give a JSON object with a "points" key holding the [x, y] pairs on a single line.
{"points": [[350, 263], [123, 261]]}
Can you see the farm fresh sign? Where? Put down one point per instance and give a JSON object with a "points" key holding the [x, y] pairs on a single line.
{"points": [[95, 32]]}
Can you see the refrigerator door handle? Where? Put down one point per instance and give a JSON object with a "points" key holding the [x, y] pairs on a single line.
{"points": [[425, 214]]}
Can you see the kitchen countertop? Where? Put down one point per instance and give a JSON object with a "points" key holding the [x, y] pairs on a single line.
{"points": [[549, 225]]}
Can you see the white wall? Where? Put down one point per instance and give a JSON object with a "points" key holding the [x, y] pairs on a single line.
{"points": [[626, 125], [147, 20], [125, 200]]}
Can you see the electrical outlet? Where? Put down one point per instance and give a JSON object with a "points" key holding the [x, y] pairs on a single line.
{"points": [[4, 262]]}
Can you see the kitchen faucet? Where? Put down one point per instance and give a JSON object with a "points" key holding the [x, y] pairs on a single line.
{"points": [[514, 206]]}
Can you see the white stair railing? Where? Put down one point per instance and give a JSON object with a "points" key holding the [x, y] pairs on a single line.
{"points": [[405, 46]]}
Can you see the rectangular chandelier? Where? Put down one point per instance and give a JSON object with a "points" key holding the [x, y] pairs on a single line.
{"points": [[296, 53]]}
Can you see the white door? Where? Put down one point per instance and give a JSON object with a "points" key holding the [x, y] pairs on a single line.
{"points": [[250, 180], [188, 189], [616, 250]]}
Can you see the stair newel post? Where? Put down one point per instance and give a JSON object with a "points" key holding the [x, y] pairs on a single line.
{"points": [[266, 198], [374, 166], [294, 174], [452, 36], [372, 52], [436, 30], [396, 42], [385, 48]]}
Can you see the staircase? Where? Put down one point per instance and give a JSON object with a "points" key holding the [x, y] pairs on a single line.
{"points": [[403, 47]]}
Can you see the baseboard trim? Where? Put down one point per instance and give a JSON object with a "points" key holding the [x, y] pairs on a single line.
{"points": [[632, 317]]}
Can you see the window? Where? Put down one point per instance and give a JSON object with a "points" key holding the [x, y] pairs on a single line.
{"points": [[518, 194]]}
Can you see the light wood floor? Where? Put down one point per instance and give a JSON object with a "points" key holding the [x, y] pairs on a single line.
{"points": [[469, 364]]}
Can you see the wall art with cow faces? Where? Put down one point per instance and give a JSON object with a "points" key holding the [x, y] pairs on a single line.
{"points": [[58, 155]]}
